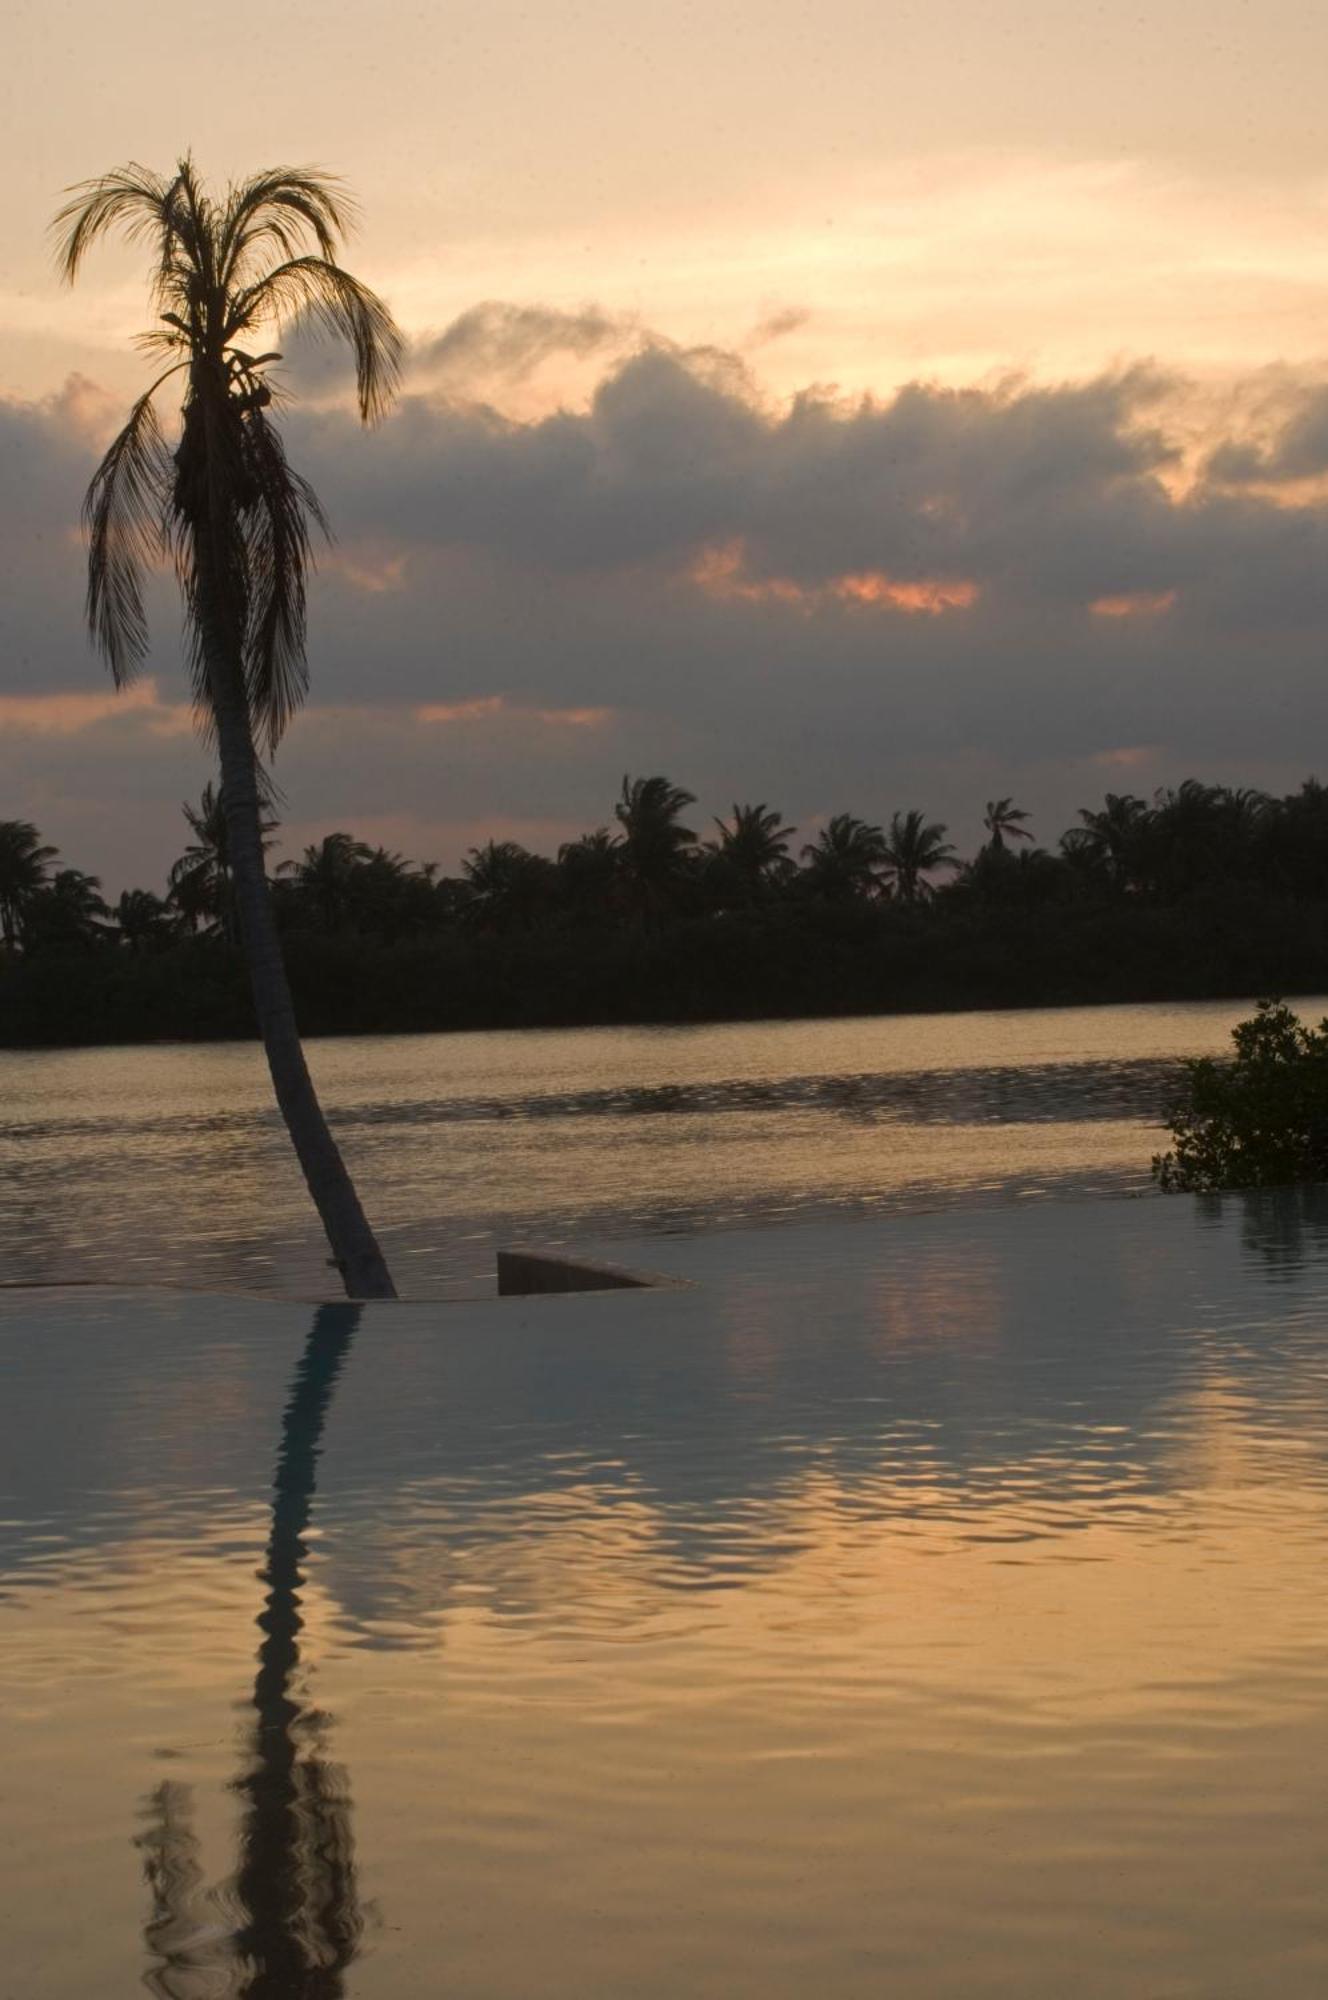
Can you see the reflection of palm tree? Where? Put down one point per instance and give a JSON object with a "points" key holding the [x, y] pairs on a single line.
{"points": [[179, 1949], [301, 1918]]}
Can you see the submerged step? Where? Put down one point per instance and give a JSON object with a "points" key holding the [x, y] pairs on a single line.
{"points": [[524, 1273]]}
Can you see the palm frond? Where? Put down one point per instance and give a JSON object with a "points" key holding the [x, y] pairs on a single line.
{"points": [[284, 206], [333, 303], [193, 226], [277, 556], [225, 503], [123, 514], [131, 198], [159, 341]]}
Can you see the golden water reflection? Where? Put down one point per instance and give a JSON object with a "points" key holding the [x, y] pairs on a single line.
{"points": [[938, 1613]]}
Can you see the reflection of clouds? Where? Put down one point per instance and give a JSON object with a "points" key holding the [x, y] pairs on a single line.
{"points": [[1002, 1375], [883, 1585]]}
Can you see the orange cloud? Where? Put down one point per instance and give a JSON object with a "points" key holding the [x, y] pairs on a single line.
{"points": [[928, 595], [71, 714], [1128, 758], [460, 711], [488, 706], [1139, 604], [376, 574], [575, 718], [719, 572]]}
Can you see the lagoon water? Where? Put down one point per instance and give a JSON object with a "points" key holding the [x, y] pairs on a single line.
{"points": [[167, 1165], [930, 1605]]}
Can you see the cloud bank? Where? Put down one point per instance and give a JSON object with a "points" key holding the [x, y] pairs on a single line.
{"points": [[827, 604]]}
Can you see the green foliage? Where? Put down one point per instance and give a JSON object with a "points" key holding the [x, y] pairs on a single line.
{"points": [[1259, 1120]]}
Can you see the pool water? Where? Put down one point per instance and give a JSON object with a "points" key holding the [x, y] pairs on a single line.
{"points": [[930, 1606]]}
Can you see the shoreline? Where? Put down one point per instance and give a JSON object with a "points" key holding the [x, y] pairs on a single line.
{"points": [[1245, 998]]}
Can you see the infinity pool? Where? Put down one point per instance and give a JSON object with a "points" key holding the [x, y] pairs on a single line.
{"points": [[931, 1607]]}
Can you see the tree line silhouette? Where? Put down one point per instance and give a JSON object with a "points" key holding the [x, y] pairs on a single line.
{"points": [[1204, 889]]}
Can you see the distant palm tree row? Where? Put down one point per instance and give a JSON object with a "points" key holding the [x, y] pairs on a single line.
{"points": [[650, 868]]}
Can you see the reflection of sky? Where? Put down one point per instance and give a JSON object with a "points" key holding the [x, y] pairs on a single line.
{"points": [[933, 1604], [1040, 1366]]}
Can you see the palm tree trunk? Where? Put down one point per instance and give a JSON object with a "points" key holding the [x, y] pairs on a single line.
{"points": [[220, 623], [354, 1247]]}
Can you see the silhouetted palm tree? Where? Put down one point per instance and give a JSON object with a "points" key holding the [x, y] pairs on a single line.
{"points": [[395, 898], [1114, 835], [143, 920], [325, 877], [1292, 841], [1003, 817], [846, 859], [913, 848], [235, 517], [67, 910], [590, 871], [752, 850], [199, 883], [24, 867], [657, 848], [1201, 833], [508, 887]]}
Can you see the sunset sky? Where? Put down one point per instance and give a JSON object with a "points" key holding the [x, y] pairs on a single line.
{"points": [[839, 406]]}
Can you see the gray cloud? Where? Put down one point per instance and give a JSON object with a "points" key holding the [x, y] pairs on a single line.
{"points": [[314, 367], [1298, 450], [777, 326], [46, 458], [1046, 498], [702, 565], [493, 345], [496, 339]]}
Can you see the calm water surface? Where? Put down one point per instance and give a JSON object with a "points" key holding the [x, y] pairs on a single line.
{"points": [[931, 1606], [167, 1165]]}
